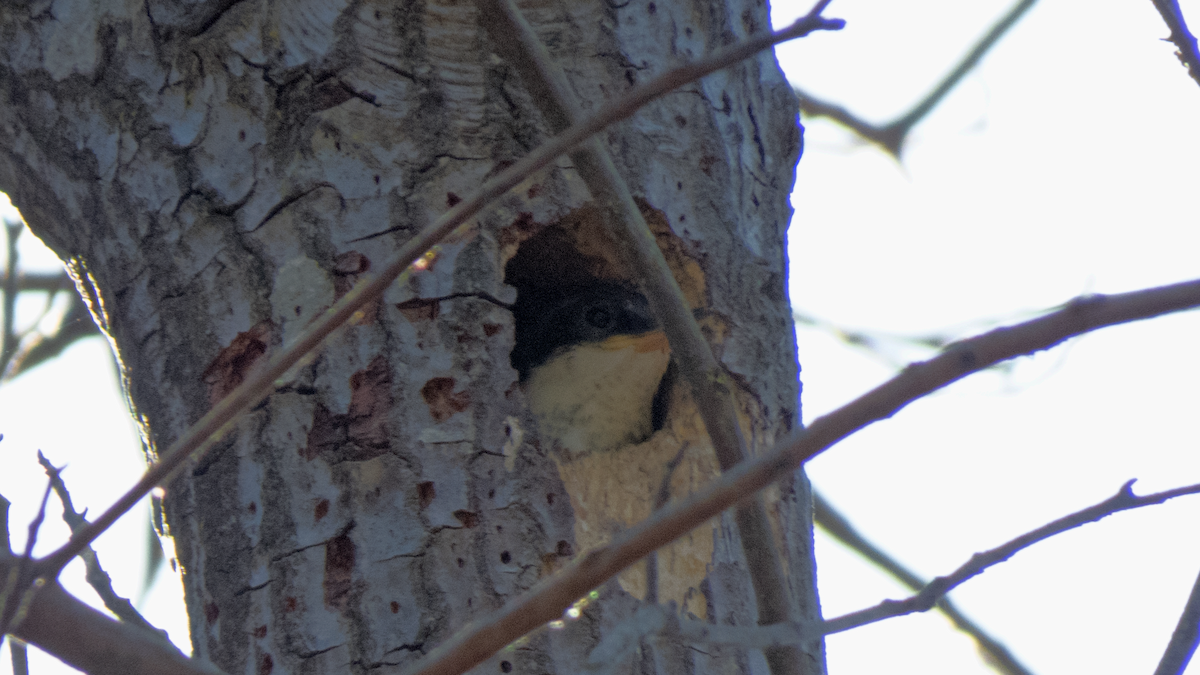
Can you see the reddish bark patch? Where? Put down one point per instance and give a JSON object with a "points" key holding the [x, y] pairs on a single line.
{"points": [[706, 164], [266, 665], [290, 604], [326, 434], [395, 607], [521, 229], [230, 367], [346, 269], [329, 94], [351, 262], [340, 554], [442, 401], [211, 612], [370, 403], [363, 432], [452, 199], [252, 508], [260, 632], [418, 310], [469, 519], [426, 493], [490, 329], [321, 510]]}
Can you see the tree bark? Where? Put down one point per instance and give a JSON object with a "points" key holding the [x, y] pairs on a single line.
{"points": [[214, 174]]}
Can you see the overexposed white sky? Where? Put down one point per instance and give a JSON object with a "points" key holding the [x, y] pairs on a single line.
{"points": [[1067, 162]]}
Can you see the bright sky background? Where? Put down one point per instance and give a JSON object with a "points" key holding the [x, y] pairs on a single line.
{"points": [[1066, 163]]}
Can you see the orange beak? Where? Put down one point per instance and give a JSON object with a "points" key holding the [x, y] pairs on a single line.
{"points": [[653, 341]]}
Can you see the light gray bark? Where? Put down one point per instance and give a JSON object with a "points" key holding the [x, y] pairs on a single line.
{"points": [[217, 173]]}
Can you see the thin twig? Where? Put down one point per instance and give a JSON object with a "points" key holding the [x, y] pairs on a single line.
{"points": [[5, 541], [1123, 500], [547, 600], [18, 593], [660, 500], [514, 39], [204, 433], [20, 656], [90, 641], [16, 648], [1188, 54], [1184, 638], [833, 522], [75, 325], [891, 136], [8, 333], [47, 282], [930, 595], [97, 578]]}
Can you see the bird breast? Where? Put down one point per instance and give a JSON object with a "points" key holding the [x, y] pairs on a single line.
{"points": [[598, 396]]}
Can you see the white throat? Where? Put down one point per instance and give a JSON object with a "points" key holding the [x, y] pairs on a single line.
{"points": [[591, 398]]}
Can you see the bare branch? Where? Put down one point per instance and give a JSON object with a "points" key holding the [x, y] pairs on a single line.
{"points": [[515, 41], [97, 578], [34, 350], [551, 597], [44, 282], [891, 136], [833, 522], [8, 334], [18, 593], [1188, 54], [929, 595], [1184, 638], [5, 542], [205, 433], [20, 656], [86, 639]]}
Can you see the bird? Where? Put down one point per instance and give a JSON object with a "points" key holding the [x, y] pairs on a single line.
{"points": [[596, 371], [592, 361]]}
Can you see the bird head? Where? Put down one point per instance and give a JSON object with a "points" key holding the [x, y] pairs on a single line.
{"points": [[591, 362]]}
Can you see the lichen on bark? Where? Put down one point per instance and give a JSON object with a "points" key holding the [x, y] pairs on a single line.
{"points": [[216, 172]]}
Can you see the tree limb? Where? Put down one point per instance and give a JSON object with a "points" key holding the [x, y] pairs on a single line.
{"points": [[18, 592], [86, 639], [515, 41], [1123, 500], [204, 433], [97, 578], [1184, 638], [827, 517], [8, 334], [891, 136], [547, 600], [1188, 54]]}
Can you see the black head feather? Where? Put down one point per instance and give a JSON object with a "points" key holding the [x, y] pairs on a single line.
{"points": [[553, 319]]}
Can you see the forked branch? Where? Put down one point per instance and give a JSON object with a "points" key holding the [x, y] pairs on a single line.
{"points": [[42, 622], [891, 136], [935, 590], [547, 600], [516, 42], [209, 429], [1188, 53]]}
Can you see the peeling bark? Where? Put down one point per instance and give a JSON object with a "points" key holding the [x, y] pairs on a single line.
{"points": [[215, 173]]}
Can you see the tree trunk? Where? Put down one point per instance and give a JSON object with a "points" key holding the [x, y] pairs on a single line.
{"points": [[217, 173]]}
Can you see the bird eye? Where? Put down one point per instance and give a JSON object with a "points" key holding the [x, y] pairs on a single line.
{"points": [[598, 317]]}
